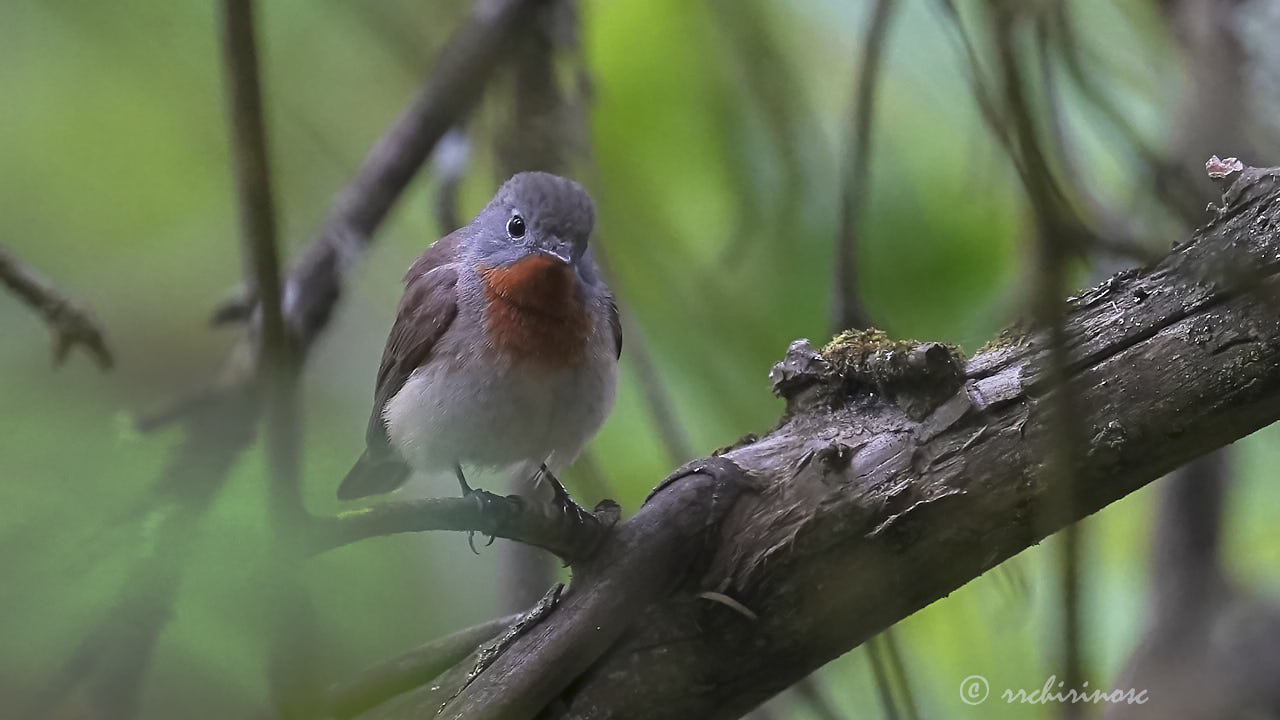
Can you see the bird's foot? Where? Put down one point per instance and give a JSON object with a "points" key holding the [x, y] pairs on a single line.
{"points": [[561, 498], [482, 500], [562, 503]]}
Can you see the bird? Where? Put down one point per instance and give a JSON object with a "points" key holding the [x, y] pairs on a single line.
{"points": [[504, 350]]}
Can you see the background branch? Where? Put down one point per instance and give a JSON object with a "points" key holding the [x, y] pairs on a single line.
{"points": [[278, 358], [848, 310], [293, 631], [657, 397], [412, 669], [855, 175], [70, 322], [1055, 243], [455, 86]]}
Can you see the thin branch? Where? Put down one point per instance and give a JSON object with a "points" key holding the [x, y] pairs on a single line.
{"points": [[849, 311], [416, 667], [71, 323], [1211, 643], [765, 75], [252, 166], [979, 87], [1055, 228], [816, 699], [542, 125], [1118, 229], [570, 532], [1171, 183], [292, 627], [1029, 159], [880, 675], [453, 90], [897, 670], [278, 359]]}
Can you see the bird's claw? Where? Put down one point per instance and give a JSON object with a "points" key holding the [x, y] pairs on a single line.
{"points": [[482, 501], [471, 541]]}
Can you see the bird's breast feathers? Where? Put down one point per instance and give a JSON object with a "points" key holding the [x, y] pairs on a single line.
{"points": [[534, 313]]}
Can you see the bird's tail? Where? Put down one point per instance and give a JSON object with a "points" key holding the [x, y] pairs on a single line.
{"points": [[372, 476]]}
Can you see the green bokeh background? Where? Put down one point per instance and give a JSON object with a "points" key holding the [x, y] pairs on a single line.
{"points": [[719, 226]]}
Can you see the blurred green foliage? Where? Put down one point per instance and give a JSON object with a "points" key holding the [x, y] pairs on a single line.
{"points": [[716, 174]]}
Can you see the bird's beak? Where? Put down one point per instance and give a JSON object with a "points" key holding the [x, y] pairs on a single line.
{"points": [[559, 250]]}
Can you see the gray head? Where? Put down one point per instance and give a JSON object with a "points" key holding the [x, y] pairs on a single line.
{"points": [[534, 212]]}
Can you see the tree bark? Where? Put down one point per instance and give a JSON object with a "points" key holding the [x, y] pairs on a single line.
{"points": [[899, 472]]}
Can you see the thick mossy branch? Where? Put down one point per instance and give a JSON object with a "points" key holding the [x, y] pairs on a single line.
{"points": [[863, 363]]}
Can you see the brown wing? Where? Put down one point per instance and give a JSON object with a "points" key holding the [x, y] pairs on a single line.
{"points": [[427, 309]]}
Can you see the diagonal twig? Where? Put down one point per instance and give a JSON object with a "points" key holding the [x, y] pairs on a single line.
{"points": [[1056, 227], [662, 410], [406, 672], [313, 285], [455, 86], [70, 322]]}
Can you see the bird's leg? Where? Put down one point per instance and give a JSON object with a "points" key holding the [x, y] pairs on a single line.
{"points": [[569, 509], [562, 500], [469, 492], [462, 480]]}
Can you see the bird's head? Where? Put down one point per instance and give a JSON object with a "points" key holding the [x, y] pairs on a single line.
{"points": [[534, 215]]}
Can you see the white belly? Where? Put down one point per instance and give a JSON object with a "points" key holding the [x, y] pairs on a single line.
{"points": [[495, 416]]}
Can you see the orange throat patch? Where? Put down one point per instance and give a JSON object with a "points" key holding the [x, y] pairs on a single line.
{"points": [[534, 315]]}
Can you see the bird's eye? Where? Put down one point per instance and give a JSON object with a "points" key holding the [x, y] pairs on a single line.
{"points": [[515, 227]]}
